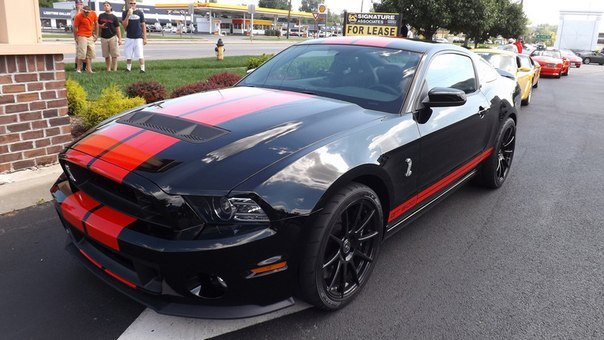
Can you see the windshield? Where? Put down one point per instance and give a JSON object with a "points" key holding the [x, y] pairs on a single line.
{"points": [[551, 54], [501, 61], [372, 77]]}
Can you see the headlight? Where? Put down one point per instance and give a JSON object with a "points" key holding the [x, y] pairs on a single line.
{"points": [[228, 209]]}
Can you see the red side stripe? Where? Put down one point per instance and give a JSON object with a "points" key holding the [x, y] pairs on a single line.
{"points": [[228, 111], [75, 207], [105, 224], [105, 138], [132, 153], [436, 187], [90, 259], [121, 279], [109, 272]]}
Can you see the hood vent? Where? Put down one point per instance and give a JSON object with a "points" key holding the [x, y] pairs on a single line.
{"points": [[176, 127]]}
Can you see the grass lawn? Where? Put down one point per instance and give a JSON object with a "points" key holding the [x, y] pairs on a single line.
{"points": [[170, 73]]}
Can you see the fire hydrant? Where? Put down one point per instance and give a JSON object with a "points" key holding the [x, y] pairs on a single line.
{"points": [[219, 50]]}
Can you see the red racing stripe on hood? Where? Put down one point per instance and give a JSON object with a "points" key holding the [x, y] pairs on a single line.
{"points": [[105, 138], [222, 113], [119, 161], [183, 105], [373, 42], [105, 225]]}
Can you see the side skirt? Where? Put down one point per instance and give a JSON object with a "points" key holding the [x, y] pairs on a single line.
{"points": [[391, 229]]}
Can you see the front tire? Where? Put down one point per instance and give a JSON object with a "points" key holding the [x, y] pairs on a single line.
{"points": [[528, 99], [497, 166], [586, 61], [343, 247]]}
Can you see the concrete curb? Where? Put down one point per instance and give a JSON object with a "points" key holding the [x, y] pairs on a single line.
{"points": [[25, 188]]}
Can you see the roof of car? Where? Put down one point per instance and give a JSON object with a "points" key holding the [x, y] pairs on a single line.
{"points": [[494, 51], [421, 46]]}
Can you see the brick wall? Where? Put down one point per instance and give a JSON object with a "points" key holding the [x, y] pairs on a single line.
{"points": [[34, 126]]}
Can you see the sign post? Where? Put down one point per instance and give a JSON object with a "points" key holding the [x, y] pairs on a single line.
{"points": [[251, 8]]}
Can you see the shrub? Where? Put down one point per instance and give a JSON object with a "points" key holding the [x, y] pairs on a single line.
{"points": [[110, 102], [224, 79], [254, 62], [194, 88], [76, 98], [272, 33], [151, 91]]}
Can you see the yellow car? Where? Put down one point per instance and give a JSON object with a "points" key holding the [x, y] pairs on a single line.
{"points": [[527, 75]]}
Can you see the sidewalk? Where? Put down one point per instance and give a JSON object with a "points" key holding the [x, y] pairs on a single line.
{"points": [[22, 189], [205, 39]]}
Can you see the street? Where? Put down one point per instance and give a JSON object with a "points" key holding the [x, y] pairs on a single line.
{"points": [[201, 48], [524, 261]]}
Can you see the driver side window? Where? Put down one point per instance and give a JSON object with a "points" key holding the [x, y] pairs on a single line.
{"points": [[451, 70]]}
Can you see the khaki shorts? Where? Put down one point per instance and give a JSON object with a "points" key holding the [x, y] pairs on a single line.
{"points": [[110, 47], [85, 48]]}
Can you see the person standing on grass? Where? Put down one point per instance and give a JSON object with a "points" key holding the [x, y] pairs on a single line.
{"points": [[84, 32], [111, 36], [78, 8], [136, 35]]}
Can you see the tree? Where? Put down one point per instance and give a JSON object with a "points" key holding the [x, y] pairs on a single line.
{"points": [[46, 3], [474, 18], [510, 21], [277, 4], [309, 5], [426, 16]]}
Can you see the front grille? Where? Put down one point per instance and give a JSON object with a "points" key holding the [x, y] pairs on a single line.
{"points": [[157, 216]]}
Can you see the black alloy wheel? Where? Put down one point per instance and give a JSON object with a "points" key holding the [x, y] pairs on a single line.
{"points": [[505, 153], [497, 166], [343, 248]]}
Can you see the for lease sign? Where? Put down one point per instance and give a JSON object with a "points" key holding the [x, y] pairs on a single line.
{"points": [[381, 24]]}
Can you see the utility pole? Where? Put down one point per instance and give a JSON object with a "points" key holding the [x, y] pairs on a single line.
{"points": [[289, 13]]}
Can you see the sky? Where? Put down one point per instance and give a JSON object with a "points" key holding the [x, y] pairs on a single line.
{"points": [[538, 11]]}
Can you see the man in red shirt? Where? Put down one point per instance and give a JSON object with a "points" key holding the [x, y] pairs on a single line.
{"points": [[84, 32]]}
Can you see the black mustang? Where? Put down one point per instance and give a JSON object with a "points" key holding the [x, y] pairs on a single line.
{"points": [[230, 203]]}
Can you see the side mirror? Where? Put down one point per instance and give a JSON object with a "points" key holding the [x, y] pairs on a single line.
{"points": [[444, 96], [524, 69]]}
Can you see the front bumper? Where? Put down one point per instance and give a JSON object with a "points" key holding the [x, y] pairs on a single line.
{"points": [[210, 278], [550, 71]]}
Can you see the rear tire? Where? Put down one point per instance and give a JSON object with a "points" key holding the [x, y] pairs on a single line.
{"points": [[343, 247], [497, 166]]}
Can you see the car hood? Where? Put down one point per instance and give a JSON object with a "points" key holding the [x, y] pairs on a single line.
{"points": [[210, 142], [544, 59]]}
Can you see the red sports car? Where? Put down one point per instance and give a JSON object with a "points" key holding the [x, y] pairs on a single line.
{"points": [[552, 62], [574, 59]]}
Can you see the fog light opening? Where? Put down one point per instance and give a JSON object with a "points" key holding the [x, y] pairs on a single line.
{"points": [[207, 286]]}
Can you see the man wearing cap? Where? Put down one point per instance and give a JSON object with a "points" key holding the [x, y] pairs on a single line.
{"points": [[84, 32], [111, 36], [136, 35]]}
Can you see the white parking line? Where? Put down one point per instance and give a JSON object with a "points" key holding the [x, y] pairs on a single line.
{"points": [[150, 325]]}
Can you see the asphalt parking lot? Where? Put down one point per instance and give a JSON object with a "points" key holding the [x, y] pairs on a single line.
{"points": [[525, 261]]}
